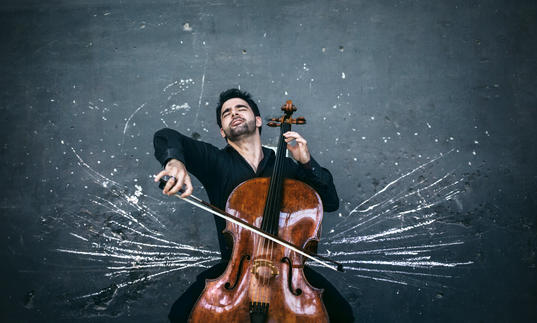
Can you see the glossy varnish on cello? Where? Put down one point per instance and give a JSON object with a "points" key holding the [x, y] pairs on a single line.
{"points": [[264, 281]]}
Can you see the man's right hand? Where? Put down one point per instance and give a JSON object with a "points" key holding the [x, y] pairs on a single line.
{"points": [[176, 170]]}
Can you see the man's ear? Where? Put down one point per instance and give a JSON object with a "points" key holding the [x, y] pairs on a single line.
{"points": [[222, 133], [258, 122]]}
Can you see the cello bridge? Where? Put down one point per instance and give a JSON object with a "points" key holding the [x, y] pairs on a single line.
{"points": [[264, 264]]}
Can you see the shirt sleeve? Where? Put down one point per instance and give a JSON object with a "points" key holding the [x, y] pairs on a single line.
{"points": [[199, 157], [321, 180]]}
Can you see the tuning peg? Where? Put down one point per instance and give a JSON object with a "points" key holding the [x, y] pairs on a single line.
{"points": [[274, 124], [300, 120]]}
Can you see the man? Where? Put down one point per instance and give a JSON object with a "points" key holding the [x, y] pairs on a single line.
{"points": [[221, 170]]}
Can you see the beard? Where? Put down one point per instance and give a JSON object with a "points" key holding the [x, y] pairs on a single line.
{"points": [[243, 130]]}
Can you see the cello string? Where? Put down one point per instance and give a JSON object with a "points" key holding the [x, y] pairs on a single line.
{"points": [[276, 201], [270, 214], [267, 224]]}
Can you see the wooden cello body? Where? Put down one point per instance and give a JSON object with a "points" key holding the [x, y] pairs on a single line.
{"points": [[229, 298], [264, 281]]}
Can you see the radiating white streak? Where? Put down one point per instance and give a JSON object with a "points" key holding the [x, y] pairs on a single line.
{"points": [[382, 279], [144, 210], [97, 254], [77, 236], [132, 282], [397, 180], [129, 119], [419, 208], [135, 258], [138, 206], [358, 225], [94, 174], [164, 122], [162, 273], [402, 237], [405, 253], [140, 252], [396, 199], [128, 272], [202, 85], [183, 246], [385, 271], [383, 250], [451, 194], [412, 264], [447, 186], [159, 264], [118, 210], [382, 234], [101, 180], [392, 200], [121, 241], [170, 85], [418, 258], [385, 219], [417, 192]]}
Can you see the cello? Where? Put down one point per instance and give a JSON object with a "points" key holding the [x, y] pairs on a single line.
{"points": [[275, 223]]}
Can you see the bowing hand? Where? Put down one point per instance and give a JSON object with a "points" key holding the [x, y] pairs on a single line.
{"points": [[179, 177]]}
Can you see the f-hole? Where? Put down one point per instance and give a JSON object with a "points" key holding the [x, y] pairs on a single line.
{"points": [[290, 278], [228, 285]]}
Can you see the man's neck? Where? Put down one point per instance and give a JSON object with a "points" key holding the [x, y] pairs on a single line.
{"points": [[250, 149]]}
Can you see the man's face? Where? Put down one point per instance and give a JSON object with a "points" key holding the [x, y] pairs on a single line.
{"points": [[238, 119]]}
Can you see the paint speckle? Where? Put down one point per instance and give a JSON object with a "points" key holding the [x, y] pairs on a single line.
{"points": [[187, 27]]}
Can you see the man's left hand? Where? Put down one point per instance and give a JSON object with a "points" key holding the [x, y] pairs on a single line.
{"points": [[300, 150]]}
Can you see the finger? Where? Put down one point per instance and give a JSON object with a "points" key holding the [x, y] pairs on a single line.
{"points": [[178, 184], [188, 187], [301, 140], [169, 184], [293, 134], [159, 175]]}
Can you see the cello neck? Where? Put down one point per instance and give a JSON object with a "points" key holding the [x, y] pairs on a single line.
{"points": [[271, 213]]}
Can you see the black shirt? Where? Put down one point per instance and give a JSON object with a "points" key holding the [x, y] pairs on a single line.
{"points": [[221, 170]]}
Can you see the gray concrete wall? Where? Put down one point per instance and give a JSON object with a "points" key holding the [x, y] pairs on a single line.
{"points": [[423, 111]]}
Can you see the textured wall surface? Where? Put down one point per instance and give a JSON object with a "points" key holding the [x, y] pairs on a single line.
{"points": [[424, 111]]}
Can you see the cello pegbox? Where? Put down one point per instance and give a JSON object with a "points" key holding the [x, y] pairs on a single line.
{"points": [[288, 107]]}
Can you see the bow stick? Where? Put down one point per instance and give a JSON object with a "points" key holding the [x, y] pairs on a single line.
{"points": [[240, 222]]}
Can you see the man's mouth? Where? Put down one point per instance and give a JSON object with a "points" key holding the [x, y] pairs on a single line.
{"points": [[236, 122]]}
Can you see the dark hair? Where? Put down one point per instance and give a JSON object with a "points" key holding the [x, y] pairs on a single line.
{"points": [[231, 94]]}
